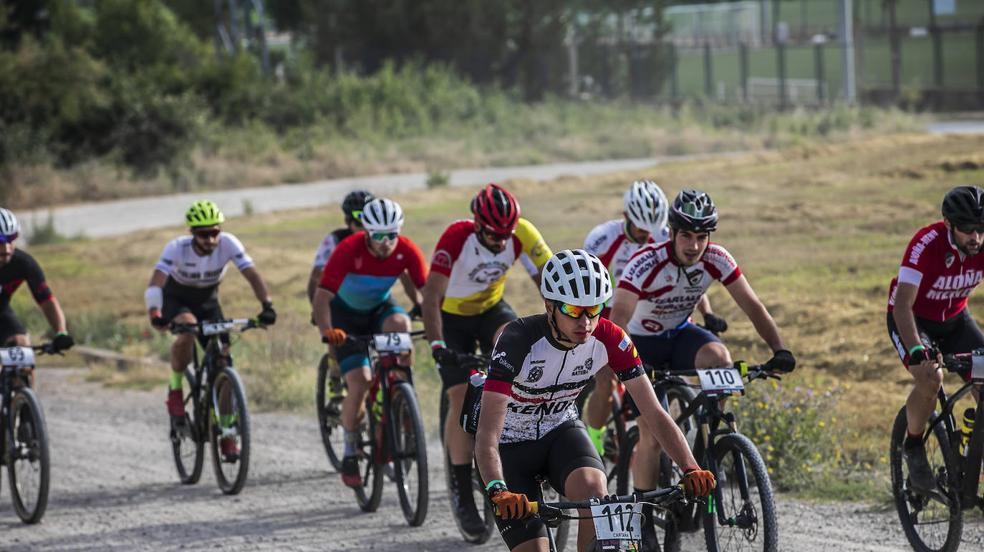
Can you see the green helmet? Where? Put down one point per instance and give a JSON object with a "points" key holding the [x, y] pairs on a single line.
{"points": [[204, 213]]}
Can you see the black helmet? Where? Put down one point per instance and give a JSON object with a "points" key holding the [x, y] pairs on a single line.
{"points": [[694, 211], [964, 205], [355, 201]]}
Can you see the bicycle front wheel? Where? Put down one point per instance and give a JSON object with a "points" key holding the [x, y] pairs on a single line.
{"points": [[746, 512], [409, 454], [371, 456], [329, 405], [187, 441], [28, 463], [931, 523], [229, 433]]}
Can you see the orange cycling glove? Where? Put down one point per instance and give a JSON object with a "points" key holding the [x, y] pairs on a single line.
{"points": [[509, 505], [334, 336], [698, 482]]}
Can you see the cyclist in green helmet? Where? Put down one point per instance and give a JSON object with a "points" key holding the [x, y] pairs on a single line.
{"points": [[184, 289]]}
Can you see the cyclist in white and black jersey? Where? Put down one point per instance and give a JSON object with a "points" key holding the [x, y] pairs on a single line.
{"points": [[614, 242], [184, 289], [656, 296], [529, 428]]}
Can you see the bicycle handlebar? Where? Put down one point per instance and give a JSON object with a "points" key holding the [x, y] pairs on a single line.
{"points": [[367, 338], [658, 497], [748, 372], [241, 324]]}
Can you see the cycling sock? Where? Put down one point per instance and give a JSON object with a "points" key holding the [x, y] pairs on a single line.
{"points": [[227, 420], [912, 440], [351, 442], [462, 481], [175, 381], [597, 435]]}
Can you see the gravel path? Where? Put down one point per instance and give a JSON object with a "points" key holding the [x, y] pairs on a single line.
{"points": [[114, 488]]}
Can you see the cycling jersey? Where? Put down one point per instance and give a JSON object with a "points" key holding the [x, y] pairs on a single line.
{"points": [[328, 245], [362, 280], [19, 269], [943, 274], [186, 267], [609, 242], [543, 378], [668, 292], [476, 274]]}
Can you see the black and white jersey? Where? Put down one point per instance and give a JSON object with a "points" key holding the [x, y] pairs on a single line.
{"points": [[542, 378]]}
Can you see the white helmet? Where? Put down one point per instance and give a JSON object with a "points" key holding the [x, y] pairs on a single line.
{"points": [[8, 223], [646, 206], [382, 215], [576, 277]]}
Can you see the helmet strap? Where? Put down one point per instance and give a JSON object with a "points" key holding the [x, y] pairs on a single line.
{"points": [[558, 335]]}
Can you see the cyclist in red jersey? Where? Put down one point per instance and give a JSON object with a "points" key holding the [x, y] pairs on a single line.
{"points": [[927, 307]]}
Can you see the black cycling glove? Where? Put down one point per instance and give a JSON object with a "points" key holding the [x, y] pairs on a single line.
{"points": [[781, 361], [416, 313], [922, 355], [268, 316], [715, 324], [444, 357], [62, 342]]}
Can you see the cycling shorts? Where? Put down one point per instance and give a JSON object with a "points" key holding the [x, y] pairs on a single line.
{"points": [[463, 333], [959, 334], [10, 326], [202, 303], [553, 457], [352, 355]]}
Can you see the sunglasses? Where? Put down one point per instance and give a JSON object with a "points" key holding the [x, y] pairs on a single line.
{"points": [[384, 236], [575, 311], [357, 215], [204, 234], [971, 229], [8, 239], [495, 236]]}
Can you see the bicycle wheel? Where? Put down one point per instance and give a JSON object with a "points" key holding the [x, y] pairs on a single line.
{"points": [[746, 513], [330, 411], [28, 463], [187, 441], [371, 461], [678, 399], [931, 523], [229, 436], [409, 454]]}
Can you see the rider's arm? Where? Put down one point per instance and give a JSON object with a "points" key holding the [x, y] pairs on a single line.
{"points": [[534, 246], [53, 314], [437, 284], [704, 305], [746, 299], [322, 308], [256, 282], [625, 304], [905, 319], [487, 438], [664, 428], [410, 289], [313, 282]]}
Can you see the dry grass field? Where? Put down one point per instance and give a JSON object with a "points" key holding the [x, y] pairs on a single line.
{"points": [[818, 230]]}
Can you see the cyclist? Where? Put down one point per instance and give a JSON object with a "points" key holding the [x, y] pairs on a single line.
{"points": [[184, 289], [17, 267], [927, 307], [463, 306], [656, 296], [354, 297], [614, 242], [529, 427], [352, 206]]}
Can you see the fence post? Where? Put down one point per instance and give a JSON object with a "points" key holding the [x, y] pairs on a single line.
{"points": [[820, 73], [979, 35], [781, 71], [708, 71], [896, 52], [743, 70], [674, 77], [937, 36]]}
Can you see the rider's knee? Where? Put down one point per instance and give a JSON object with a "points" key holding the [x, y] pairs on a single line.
{"points": [[713, 354]]}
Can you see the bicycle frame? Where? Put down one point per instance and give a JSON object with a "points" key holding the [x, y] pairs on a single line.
{"points": [[970, 465]]}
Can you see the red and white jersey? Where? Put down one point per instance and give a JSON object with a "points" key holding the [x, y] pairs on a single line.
{"points": [[608, 242], [944, 275], [668, 292], [476, 274]]}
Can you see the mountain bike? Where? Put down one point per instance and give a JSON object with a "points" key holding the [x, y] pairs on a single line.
{"points": [[24, 447], [215, 409], [616, 517], [742, 514], [328, 400], [393, 433], [934, 521]]}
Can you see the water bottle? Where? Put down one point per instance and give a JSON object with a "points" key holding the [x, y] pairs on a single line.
{"points": [[966, 430]]}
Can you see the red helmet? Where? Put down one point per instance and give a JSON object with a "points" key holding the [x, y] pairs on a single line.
{"points": [[496, 209]]}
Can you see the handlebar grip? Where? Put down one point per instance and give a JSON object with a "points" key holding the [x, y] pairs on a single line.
{"points": [[534, 507]]}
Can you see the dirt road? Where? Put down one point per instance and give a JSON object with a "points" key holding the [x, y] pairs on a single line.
{"points": [[114, 488]]}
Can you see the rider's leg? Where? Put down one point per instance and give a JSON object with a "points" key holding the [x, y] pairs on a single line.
{"points": [[357, 378], [397, 321], [182, 350], [582, 484], [599, 406], [921, 402]]}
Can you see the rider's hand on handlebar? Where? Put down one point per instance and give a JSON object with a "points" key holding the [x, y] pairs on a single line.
{"points": [[334, 336], [416, 313], [698, 482], [926, 359], [156, 320], [268, 316], [715, 324], [444, 357], [510, 505], [62, 342], [781, 361]]}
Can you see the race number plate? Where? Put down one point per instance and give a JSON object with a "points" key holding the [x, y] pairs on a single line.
{"points": [[395, 342], [977, 366], [213, 328], [617, 525], [17, 356], [720, 380]]}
